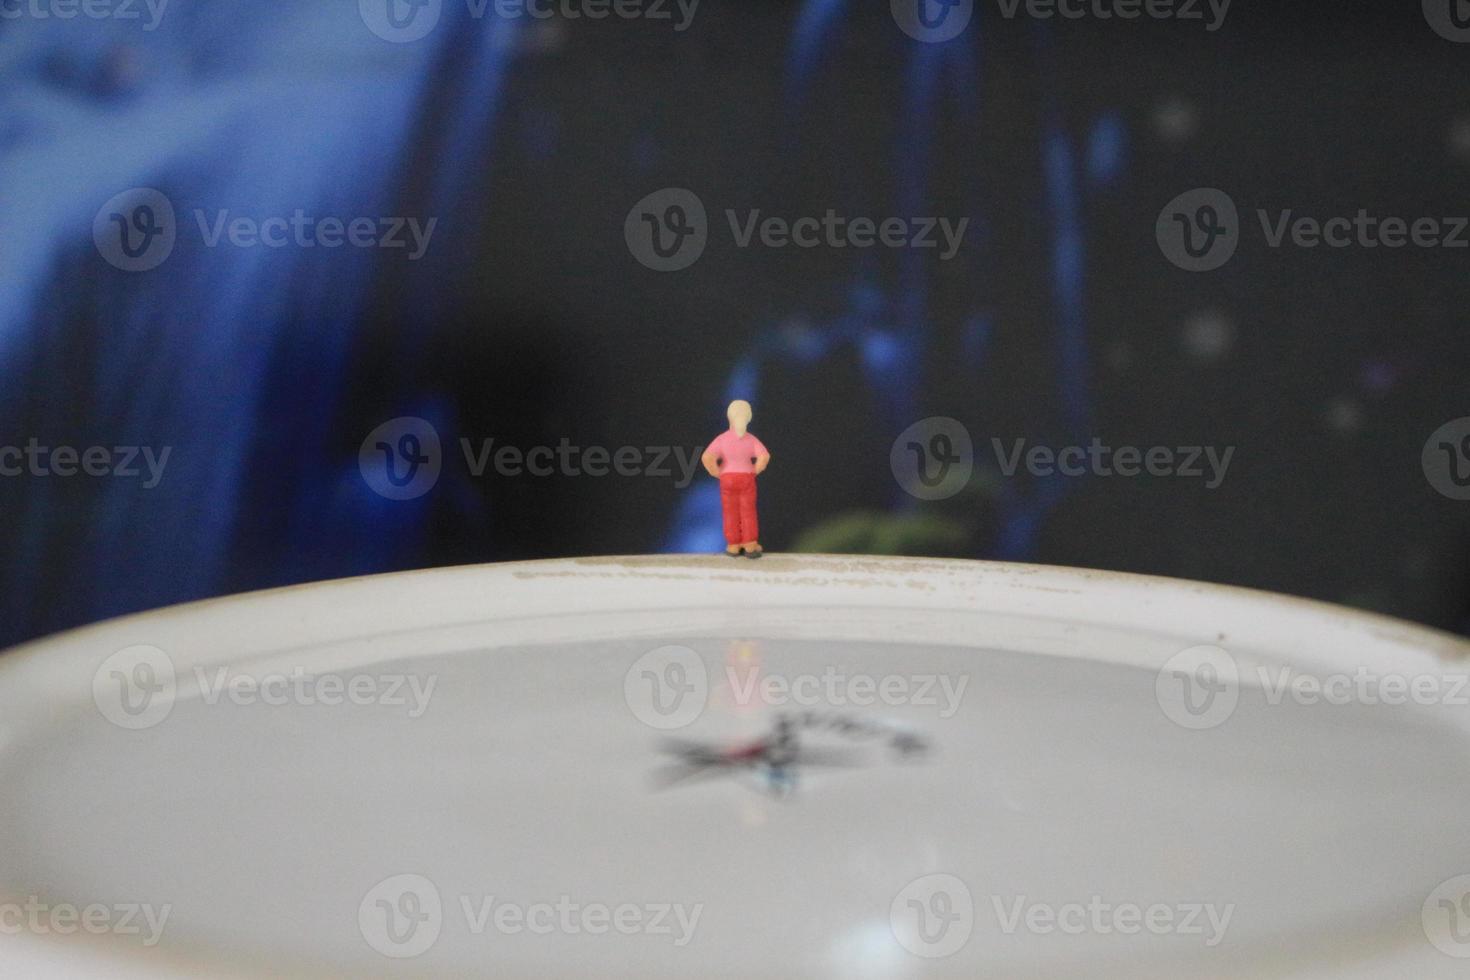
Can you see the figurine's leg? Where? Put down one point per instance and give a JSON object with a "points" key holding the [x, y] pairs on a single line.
{"points": [[730, 512], [749, 526]]}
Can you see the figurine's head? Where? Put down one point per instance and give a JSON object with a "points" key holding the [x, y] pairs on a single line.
{"points": [[739, 415]]}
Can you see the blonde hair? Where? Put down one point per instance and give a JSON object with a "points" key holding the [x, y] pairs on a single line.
{"points": [[739, 415]]}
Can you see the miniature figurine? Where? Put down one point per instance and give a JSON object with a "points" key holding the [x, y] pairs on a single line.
{"points": [[736, 458]]}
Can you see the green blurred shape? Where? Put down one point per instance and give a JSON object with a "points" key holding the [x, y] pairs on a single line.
{"points": [[865, 532]]}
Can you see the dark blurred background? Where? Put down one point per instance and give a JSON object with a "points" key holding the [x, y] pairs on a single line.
{"points": [[530, 320]]}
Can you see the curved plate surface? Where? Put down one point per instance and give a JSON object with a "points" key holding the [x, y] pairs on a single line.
{"points": [[689, 766]]}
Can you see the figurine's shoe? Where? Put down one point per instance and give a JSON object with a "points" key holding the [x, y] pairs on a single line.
{"points": [[756, 553], [733, 554]]}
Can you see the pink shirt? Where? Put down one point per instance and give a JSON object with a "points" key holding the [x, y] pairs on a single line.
{"points": [[736, 452]]}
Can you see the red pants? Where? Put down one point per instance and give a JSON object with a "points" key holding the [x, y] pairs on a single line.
{"points": [[737, 501]]}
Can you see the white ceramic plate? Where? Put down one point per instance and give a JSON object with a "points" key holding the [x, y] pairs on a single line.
{"points": [[704, 767]]}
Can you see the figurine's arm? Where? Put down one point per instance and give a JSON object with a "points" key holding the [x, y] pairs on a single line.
{"points": [[761, 462], [711, 462]]}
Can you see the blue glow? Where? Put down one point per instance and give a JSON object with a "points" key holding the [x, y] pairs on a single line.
{"points": [[239, 360], [1107, 150], [814, 26], [233, 358], [893, 328], [882, 352]]}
